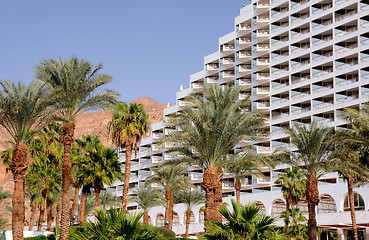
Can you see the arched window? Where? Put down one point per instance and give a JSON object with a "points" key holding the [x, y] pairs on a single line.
{"points": [[278, 207], [160, 220], [261, 206], [303, 206], [358, 203], [201, 216], [327, 204], [175, 219], [192, 218]]}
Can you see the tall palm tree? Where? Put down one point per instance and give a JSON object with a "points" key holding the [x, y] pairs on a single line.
{"points": [[314, 145], [243, 164], [128, 125], [146, 198], [171, 178], [243, 222], [210, 127], [293, 187], [22, 109], [74, 84], [190, 198]]}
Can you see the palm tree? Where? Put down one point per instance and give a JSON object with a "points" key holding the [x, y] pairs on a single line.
{"points": [[171, 178], [210, 127], [241, 165], [128, 125], [297, 224], [190, 198], [108, 199], [22, 109], [146, 198], [74, 83], [314, 145], [243, 222], [293, 187]]}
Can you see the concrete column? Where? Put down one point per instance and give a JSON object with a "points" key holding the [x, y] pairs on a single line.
{"points": [[367, 233], [340, 234]]}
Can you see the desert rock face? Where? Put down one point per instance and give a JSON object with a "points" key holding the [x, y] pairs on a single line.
{"points": [[94, 123]]}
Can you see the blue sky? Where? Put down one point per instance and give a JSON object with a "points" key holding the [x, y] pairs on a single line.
{"points": [[149, 47]]}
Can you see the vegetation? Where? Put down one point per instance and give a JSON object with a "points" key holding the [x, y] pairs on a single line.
{"points": [[242, 222], [129, 124], [146, 198], [73, 83], [211, 125]]}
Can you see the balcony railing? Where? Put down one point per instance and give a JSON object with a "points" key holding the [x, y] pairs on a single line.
{"points": [[157, 135], [243, 96], [302, 17], [349, 64], [341, 98], [244, 54], [263, 180], [347, 31], [280, 100], [197, 86], [246, 182], [196, 176], [322, 56], [228, 47], [281, 115], [326, 7], [295, 5], [301, 79], [322, 88], [263, 33], [262, 76], [243, 68], [262, 105], [228, 184], [300, 94], [228, 74], [341, 82], [212, 67], [299, 64], [323, 72], [300, 110], [348, 14], [280, 85], [261, 90], [262, 149], [211, 80], [296, 34], [323, 104], [323, 24], [321, 41], [244, 40]]}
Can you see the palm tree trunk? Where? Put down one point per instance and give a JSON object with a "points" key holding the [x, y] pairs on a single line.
{"points": [[49, 216], [32, 218], [350, 192], [168, 197], [171, 212], [212, 184], [41, 217], [188, 221], [312, 197], [67, 140], [127, 172], [97, 197], [146, 218], [57, 218], [18, 167], [75, 203], [82, 210], [237, 186]]}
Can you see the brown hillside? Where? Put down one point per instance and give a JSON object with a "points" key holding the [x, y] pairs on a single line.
{"points": [[93, 123]]}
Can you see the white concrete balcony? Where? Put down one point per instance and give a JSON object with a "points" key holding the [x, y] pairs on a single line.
{"points": [[243, 68], [156, 148], [243, 82], [298, 110], [196, 177], [262, 77], [264, 180], [263, 150], [262, 105], [227, 61], [243, 42], [320, 105], [262, 6], [343, 98], [262, 20], [182, 103], [168, 131], [262, 47], [243, 28], [341, 33], [246, 182], [262, 91], [227, 48], [156, 185], [157, 135], [296, 95], [326, 7], [228, 185], [346, 65], [212, 68], [262, 62], [262, 34], [197, 86], [212, 80], [156, 159], [281, 115], [346, 15], [168, 157], [243, 96], [243, 55], [169, 145], [227, 75], [319, 89]]}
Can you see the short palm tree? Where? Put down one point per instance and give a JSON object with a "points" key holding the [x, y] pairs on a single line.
{"points": [[171, 178], [243, 222], [129, 124], [314, 145], [22, 109], [190, 198], [243, 164], [210, 127], [146, 198], [74, 84]]}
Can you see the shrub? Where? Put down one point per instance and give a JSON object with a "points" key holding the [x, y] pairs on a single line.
{"points": [[49, 237], [166, 232]]}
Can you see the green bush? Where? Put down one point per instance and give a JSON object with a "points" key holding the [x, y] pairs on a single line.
{"points": [[166, 232], [49, 237]]}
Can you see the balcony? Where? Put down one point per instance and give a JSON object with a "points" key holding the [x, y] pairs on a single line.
{"points": [[182, 103], [262, 34], [262, 77], [156, 159], [345, 98], [319, 89], [299, 18], [197, 86], [227, 74], [295, 95], [346, 15], [349, 30], [322, 56], [196, 177], [244, 41], [243, 82], [262, 90], [243, 28], [156, 148], [243, 96], [263, 180], [262, 6], [280, 115], [243, 68], [228, 61], [323, 24], [212, 68], [299, 64], [326, 7], [262, 47], [300, 33], [168, 157], [263, 150], [262, 62], [298, 110], [317, 41], [343, 82], [228, 185], [227, 48], [244, 55], [322, 72], [320, 105], [262, 105], [262, 20], [298, 4], [212, 80], [246, 182], [348, 64]]}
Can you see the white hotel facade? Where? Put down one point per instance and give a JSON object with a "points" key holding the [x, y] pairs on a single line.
{"points": [[298, 61]]}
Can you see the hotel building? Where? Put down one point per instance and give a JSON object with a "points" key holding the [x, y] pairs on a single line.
{"points": [[298, 61]]}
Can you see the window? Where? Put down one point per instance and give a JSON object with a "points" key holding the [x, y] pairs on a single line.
{"points": [[160, 220], [358, 203], [278, 207], [327, 204]]}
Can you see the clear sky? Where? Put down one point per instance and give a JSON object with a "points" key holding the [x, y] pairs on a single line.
{"points": [[150, 47]]}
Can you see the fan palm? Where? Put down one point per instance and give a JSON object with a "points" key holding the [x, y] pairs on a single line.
{"points": [[190, 198], [171, 178], [210, 127], [108, 199], [74, 84], [128, 125], [243, 222], [314, 145], [146, 198], [22, 109]]}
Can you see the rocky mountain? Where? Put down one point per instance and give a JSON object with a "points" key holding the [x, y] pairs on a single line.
{"points": [[93, 123]]}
